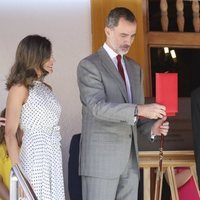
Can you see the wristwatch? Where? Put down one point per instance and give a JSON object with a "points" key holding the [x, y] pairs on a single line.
{"points": [[136, 111]]}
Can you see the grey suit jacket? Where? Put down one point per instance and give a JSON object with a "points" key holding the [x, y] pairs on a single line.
{"points": [[108, 125]]}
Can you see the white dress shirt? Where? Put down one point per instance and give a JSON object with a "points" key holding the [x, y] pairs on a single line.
{"points": [[113, 55]]}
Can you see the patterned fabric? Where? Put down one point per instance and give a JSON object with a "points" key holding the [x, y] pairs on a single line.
{"points": [[40, 153]]}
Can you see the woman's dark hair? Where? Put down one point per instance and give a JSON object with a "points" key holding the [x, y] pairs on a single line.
{"points": [[117, 13], [19, 132], [32, 53]]}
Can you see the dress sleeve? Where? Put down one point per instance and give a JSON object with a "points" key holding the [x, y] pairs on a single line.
{"points": [[1, 160]]}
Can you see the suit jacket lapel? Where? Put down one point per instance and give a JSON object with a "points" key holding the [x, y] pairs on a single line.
{"points": [[110, 68], [131, 75]]}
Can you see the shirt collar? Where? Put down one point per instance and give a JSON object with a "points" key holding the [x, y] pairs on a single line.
{"points": [[110, 52]]}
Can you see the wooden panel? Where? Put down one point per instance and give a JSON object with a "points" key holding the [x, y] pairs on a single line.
{"points": [[161, 39], [99, 11], [175, 158], [147, 63], [150, 160], [173, 39]]}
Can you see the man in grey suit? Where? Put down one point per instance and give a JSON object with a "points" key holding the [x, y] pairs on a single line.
{"points": [[111, 92]]}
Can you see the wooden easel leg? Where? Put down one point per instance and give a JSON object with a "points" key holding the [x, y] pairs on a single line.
{"points": [[158, 187], [146, 183], [194, 174], [172, 183]]}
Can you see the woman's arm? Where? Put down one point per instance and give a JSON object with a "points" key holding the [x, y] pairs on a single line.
{"points": [[16, 98], [4, 192]]}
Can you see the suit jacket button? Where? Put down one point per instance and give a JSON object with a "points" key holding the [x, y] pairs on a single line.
{"points": [[130, 136]]}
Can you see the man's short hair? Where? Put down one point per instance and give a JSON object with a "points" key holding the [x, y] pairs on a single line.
{"points": [[117, 13]]}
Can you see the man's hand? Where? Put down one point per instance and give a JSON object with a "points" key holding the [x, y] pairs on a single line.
{"points": [[152, 111], [2, 121], [160, 127]]}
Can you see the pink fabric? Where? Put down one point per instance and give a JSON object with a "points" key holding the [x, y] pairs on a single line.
{"points": [[188, 191]]}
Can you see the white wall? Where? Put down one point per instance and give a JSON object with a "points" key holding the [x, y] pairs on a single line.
{"points": [[67, 24]]}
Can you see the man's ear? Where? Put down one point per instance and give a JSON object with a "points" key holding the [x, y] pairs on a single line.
{"points": [[107, 31]]}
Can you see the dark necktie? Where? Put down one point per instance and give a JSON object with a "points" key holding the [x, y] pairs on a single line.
{"points": [[120, 67]]}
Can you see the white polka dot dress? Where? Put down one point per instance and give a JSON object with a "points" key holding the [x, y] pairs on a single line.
{"points": [[40, 154]]}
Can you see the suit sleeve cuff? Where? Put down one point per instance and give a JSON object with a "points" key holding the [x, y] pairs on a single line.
{"points": [[153, 137]]}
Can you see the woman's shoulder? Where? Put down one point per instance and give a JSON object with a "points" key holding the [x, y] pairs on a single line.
{"points": [[19, 88], [18, 91]]}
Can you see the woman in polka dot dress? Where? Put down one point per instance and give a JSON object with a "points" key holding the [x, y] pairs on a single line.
{"points": [[32, 104]]}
